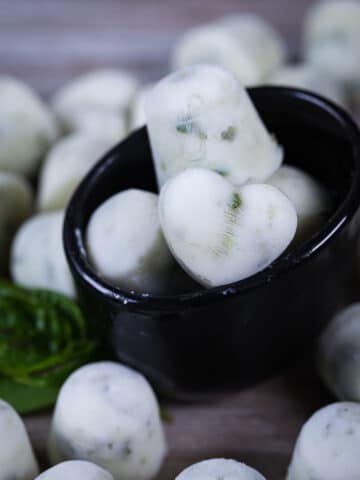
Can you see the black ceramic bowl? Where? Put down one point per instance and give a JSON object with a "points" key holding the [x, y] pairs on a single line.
{"points": [[227, 337]]}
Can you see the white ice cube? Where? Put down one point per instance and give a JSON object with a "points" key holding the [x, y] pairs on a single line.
{"points": [[16, 203], [332, 38], [37, 255], [327, 447], [220, 233], [309, 197], [98, 102], [339, 354], [126, 245], [66, 165], [244, 44], [27, 128], [17, 460], [309, 77], [75, 470], [219, 468], [201, 116], [107, 413]]}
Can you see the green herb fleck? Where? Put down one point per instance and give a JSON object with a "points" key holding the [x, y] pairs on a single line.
{"points": [[127, 451], [229, 134], [188, 126], [223, 173], [236, 201], [202, 134], [183, 128]]}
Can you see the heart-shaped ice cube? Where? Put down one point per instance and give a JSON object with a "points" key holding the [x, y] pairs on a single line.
{"points": [[220, 233]]}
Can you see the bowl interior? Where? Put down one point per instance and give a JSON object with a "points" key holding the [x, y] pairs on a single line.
{"points": [[316, 135]]}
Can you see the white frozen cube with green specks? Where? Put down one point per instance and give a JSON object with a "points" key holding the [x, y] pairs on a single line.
{"points": [[27, 128], [37, 255], [244, 44], [202, 117], [66, 165], [338, 355], [259, 40], [332, 38], [328, 445], [97, 102], [101, 123], [107, 414], [310, 199], [75, 470], [220, 233], [126, 246], [17, 460], [16, 203], [216, 468], [309, 77]]}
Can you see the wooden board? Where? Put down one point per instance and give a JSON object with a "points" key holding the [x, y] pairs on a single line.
{"points": [[47, 42]]}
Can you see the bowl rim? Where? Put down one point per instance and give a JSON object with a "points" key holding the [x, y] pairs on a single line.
{"points": [[76, 252]]}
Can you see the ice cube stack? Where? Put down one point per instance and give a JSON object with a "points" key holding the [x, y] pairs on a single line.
{"points": [[227, 207]]}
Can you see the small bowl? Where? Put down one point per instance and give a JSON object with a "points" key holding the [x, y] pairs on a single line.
{"points": [[209, 341]]}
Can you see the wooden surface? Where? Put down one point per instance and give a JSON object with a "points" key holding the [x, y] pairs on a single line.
{"points": [[257, 426], [47, 42]]}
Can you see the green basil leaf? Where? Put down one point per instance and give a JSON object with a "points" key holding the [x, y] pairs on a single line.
{"points": [[26, 399], [43, 336]]}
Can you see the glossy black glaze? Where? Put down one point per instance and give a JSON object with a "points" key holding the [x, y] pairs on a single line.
{"points": [[224, 338]]}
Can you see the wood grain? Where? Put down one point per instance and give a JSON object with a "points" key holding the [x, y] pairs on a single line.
{"points": [[47, 42], [257, 426]]}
